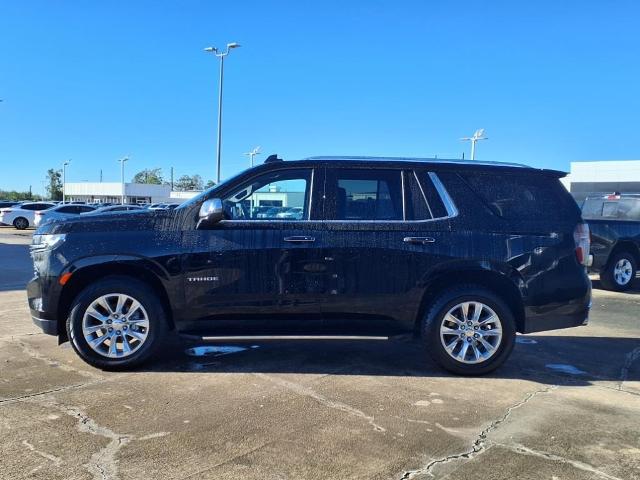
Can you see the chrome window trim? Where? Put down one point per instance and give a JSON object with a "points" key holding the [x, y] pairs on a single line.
{"points": [[313, 172], [450, 207], [452, 211]]}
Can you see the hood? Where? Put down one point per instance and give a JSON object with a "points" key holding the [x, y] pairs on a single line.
{"points": [[129, 221]]}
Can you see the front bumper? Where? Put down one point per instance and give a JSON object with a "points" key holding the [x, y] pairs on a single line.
{"points": [[48, 326], [42, 296]]}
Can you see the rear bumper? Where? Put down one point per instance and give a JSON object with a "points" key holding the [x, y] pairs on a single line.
{"points": [[569, 314]]}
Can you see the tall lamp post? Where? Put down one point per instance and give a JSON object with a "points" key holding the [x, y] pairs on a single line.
{"points": [[122, 160], [478, 135], [64, 180], [220, 55]]}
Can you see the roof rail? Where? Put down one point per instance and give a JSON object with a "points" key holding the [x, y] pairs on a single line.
{"points": [[417, 159]]}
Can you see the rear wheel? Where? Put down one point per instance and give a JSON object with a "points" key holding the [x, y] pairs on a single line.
{"points": [[469, 330], [21, 223], [116, 323], [620, 272]]}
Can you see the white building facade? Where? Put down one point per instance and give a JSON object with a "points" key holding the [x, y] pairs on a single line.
{"points": [[609, 176], [134, 193]]}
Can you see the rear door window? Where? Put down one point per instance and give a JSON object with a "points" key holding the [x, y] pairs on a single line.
{"points": [[366, 195], [523, 196]]}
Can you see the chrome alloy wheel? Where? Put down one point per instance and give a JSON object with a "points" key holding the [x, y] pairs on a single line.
{"points": [[115, 325], [471, 332], [623, 271]]}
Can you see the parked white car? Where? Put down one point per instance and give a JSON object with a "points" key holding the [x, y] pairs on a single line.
{"points": [[23, 215], [60, 212]]}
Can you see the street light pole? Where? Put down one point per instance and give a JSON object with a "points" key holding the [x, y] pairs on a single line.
{"points": [[478, 135], [122, 160], [64, 179], [221, 56]]}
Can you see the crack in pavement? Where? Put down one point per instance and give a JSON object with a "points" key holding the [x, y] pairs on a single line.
{"points": [[67, 368], [103, 465], [45, 392], [309, 392], [522, 450], [478, 445]]}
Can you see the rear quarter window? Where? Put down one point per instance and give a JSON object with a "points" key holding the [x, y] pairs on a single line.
{"points": [[523, 197]]}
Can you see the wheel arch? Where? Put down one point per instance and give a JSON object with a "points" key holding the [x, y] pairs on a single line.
{"points": [[23, 218], [498, 282], [82, 277], [625, 245]]}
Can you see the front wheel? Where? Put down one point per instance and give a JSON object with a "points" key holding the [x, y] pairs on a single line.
{"points": [[469, 330], [620, 272], [116, 323]]}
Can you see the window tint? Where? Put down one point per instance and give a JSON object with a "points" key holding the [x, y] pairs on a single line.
{"points": [[368, 195], [592, 208], [523, 197], [69, 209], [36, 206], [280, 195], [415, 201]]}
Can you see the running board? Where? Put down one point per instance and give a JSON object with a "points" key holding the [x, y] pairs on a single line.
{"points": [[254, 338]]}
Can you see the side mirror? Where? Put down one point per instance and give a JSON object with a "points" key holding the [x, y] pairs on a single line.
{"points": [[210, 211]]}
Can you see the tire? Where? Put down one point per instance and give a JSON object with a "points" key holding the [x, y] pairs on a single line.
{"points": [[620, 272], [449, 302], [21, 223], [123, 331]]}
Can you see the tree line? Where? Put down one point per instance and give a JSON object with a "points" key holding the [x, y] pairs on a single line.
{"points": [[184, 183]]}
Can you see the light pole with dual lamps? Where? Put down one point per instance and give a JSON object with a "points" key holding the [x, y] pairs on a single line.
{"points": [[220, 54]]}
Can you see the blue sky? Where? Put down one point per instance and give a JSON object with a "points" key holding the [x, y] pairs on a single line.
{"points": [[551, 82]]}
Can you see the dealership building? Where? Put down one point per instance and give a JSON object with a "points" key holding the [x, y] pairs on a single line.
{"points": [[99, 192], [609, 176]]}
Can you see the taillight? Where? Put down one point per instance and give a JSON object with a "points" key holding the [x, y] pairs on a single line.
{"points": [[582, 238]]}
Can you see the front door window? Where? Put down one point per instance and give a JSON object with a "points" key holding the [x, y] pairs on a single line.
{"points": [[280, 195]]}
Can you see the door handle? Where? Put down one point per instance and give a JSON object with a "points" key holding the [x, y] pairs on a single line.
{"points": [[299, 239], [419, 240]]}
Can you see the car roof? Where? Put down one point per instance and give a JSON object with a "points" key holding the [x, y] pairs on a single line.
{"points": [[413, 162]]}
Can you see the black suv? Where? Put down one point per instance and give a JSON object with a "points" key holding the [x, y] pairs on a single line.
{"points": [[462, 254], [614, 222]]}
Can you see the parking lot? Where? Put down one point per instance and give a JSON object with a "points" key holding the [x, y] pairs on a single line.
{"points": [[565, 406]]}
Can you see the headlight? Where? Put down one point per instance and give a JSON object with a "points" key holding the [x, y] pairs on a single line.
{"points": [[47, 241]]}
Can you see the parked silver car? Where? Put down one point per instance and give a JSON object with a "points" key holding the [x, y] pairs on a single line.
{"points": [[114, 208]]}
